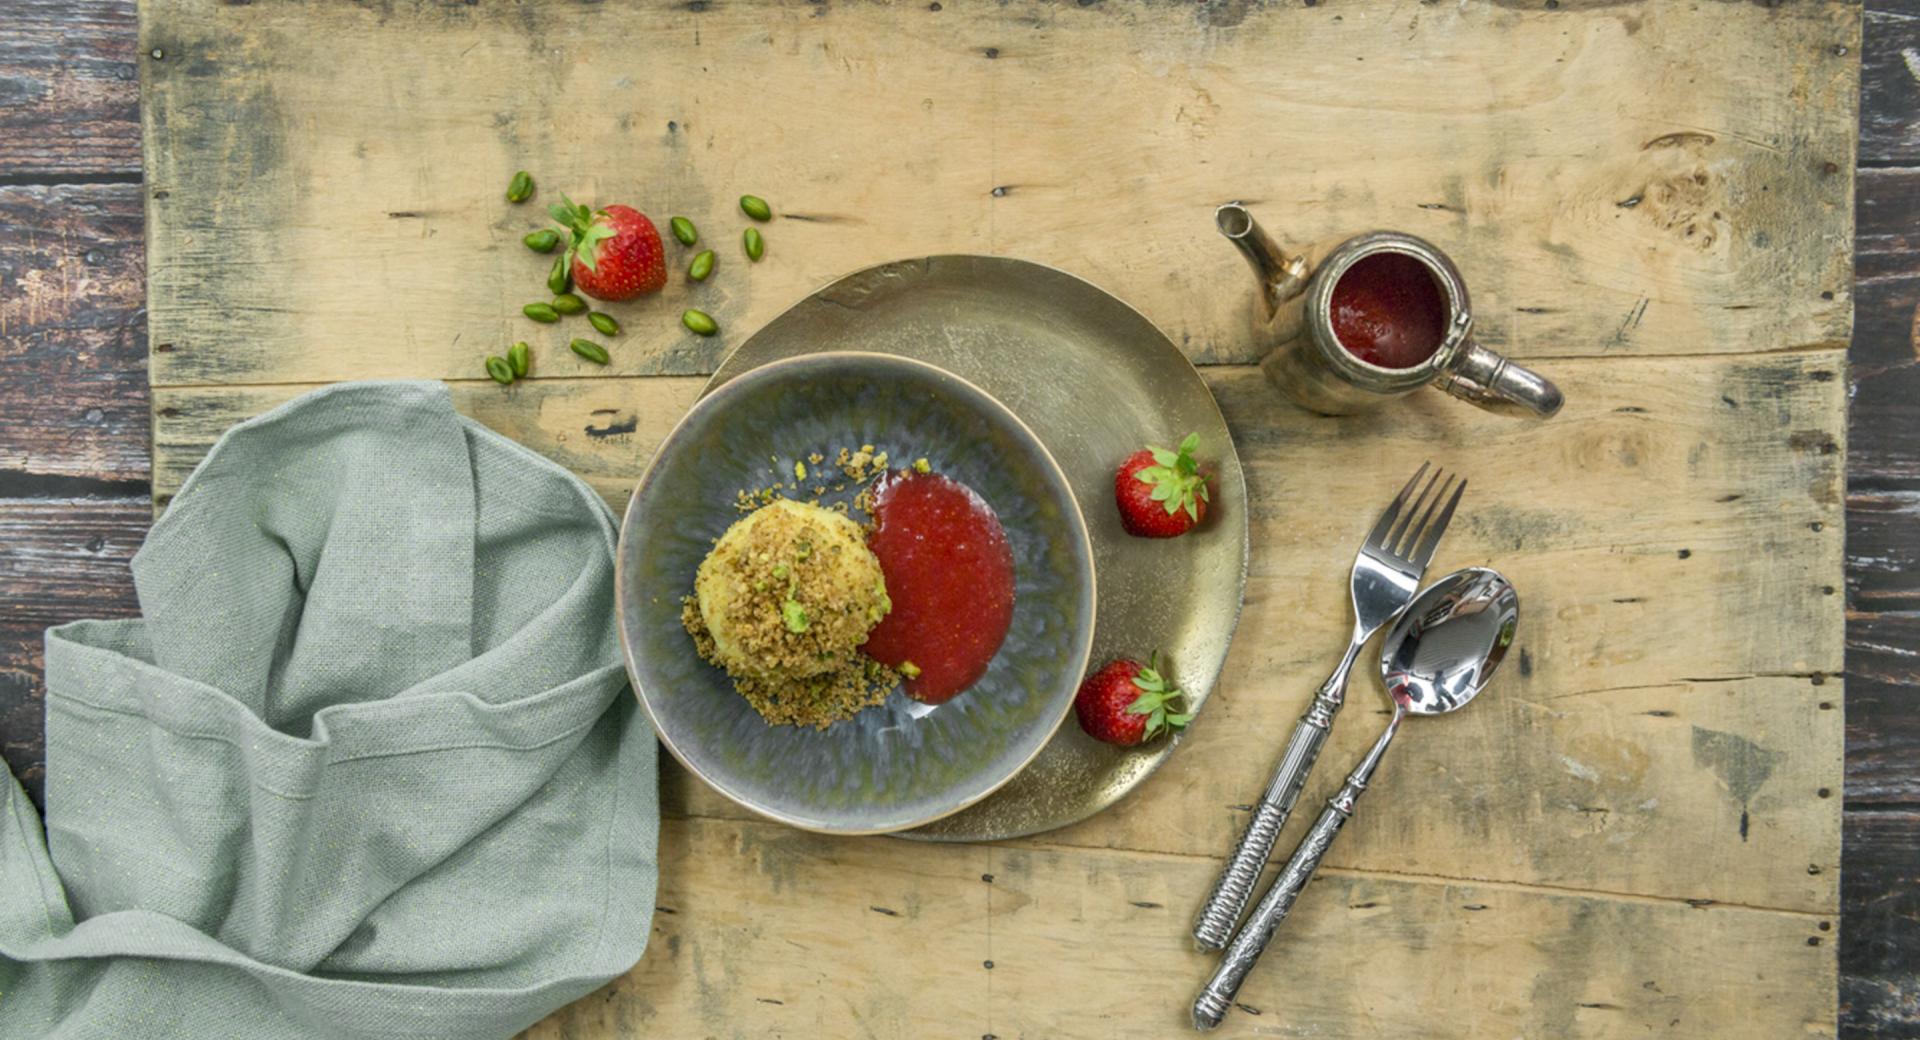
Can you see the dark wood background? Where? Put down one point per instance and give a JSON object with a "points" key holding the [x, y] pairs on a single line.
{"points": [[75, 454]]}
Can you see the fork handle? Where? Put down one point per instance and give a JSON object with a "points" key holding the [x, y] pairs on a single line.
{"points": [[1217, 996], [1214, 926]]}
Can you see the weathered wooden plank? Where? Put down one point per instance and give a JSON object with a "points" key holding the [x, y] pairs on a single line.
{"points": [[327, 212], [1883, 502], [1668, 657], [23, 706], [69, 95], [1886, 345], [1890, 84], [1883, 709], [1883, 549], [73, 404], [1879, 962], [903, 940], [60, 560], [605, 430]]}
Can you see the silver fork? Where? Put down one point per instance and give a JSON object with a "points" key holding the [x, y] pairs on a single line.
{"points": [[1386, 572]]}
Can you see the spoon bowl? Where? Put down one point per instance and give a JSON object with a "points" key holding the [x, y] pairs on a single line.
{"points": [[1446, 646]]}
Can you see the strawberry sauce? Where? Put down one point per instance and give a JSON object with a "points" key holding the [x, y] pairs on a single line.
{"points": [[949, 573], [1387, 311]]}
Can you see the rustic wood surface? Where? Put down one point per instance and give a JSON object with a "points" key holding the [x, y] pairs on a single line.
{"points": [[1681, 259], [1046, 898]]}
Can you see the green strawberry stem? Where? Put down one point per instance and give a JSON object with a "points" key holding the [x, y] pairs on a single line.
{"points": [[582, 232], [1157, 697], [1176, 478]]}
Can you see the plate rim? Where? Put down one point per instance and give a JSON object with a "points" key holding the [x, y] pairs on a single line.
{"points": [[926, 262], [1075, 516]]}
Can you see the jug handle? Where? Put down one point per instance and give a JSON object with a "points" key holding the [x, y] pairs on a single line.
{"points": [[1495, 383]]}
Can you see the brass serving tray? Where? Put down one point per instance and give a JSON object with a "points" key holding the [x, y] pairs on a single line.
{"points": [[1095, 380]]}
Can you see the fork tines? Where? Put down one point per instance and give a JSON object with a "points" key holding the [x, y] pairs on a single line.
{"points": [[1409, 541]]}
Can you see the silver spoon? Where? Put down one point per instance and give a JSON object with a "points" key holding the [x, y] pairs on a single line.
{"points": [[1437, 657]]}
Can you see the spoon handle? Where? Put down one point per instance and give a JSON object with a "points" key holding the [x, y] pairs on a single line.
{"points": [[1214, 926], [1217, 996]]}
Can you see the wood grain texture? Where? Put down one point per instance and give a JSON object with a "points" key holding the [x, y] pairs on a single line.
{"points": [[1656, 708], [60, 560], [1879, 988], [1883, 711], [23, 705], [1880, 956], [74, 416], [1890, 84], [1883, 508], [1664, 179], [1661, 211], [69, 101], [901, 941]]}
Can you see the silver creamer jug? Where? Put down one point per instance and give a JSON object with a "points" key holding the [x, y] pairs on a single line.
{"points": [[1308, 362]]}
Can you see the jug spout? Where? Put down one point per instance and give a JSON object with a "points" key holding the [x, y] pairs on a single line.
{"points": [[1281, 277]]}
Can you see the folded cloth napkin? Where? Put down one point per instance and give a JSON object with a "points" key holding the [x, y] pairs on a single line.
{"points": [[366, 767]]}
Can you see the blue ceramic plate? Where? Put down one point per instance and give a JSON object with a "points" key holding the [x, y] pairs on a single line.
{"points": [[902, 763]]}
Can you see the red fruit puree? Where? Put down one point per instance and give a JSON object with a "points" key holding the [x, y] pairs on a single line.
{"points": [[1387, 311], [949, 573]]}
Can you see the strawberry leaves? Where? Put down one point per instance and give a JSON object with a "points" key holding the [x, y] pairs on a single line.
{"points": [[584, 232], [1176, 478], [1157, 699]]}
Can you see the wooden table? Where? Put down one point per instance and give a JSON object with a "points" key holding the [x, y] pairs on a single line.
{"points": [[1679, 544]]}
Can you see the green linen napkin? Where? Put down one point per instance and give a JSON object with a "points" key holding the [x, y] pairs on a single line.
{"points": [[367, 765]]}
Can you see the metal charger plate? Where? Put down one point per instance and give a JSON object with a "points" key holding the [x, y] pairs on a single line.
{"points": [[1096, 381]]}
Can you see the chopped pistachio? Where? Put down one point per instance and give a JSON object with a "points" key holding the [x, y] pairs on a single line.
{"points": [[799, 470], [794, 615], [909, 669], [920, 465]]}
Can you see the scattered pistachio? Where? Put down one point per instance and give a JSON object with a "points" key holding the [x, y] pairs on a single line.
{"points": [[568, 303], [920, 465], [519, 358], [590, 350], [560, 279], [604, 324], [684, 231], [755, 245], [544, 240], [699, 322], [520, 188], [803, 550], [909, 669], [701, 267], [780, 571], [756, 207], [799, 470], [501, 372], [541, 312], [794, 615]]}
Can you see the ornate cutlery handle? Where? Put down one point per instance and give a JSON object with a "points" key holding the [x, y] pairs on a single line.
{"points": [[1217, 997], [1230, 893]]}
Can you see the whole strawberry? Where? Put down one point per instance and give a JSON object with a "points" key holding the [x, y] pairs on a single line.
{"points": [[1129, 703], [1161, 493], [615, 251]]}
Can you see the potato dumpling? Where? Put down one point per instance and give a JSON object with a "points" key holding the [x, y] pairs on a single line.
{"points": [[789, 591]]}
